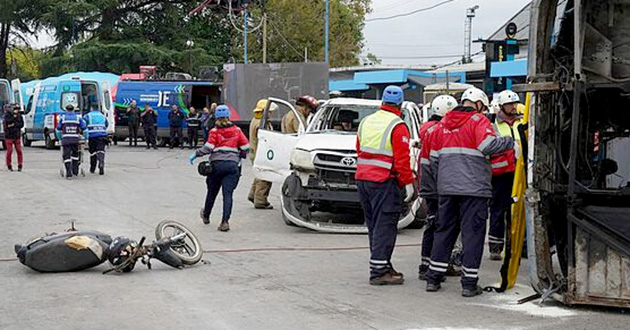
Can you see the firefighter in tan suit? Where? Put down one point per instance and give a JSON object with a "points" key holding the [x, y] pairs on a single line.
{"points": [[305, 105], [260, 189]]}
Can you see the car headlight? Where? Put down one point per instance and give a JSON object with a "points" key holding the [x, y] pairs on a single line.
{"points": [[302, 159]]}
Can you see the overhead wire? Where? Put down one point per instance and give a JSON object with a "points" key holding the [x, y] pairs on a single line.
{"points": [[409, 13], [273, 25]]}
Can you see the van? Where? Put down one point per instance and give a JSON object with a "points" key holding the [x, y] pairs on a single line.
{"points": [[49, 98]]}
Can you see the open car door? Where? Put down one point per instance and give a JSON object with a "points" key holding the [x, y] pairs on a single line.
{"points": [[273, 153], [16, 87], [108, 107]]}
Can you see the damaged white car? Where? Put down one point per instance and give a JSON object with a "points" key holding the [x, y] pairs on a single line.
{"points": [[316, 166]]}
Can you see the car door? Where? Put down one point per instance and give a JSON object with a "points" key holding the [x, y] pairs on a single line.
{"points": [[31, 111], [17, 93], [274, 149], [108, 107]]}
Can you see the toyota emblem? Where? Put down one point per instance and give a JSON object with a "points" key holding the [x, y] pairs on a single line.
{"points": [[348, 161]]}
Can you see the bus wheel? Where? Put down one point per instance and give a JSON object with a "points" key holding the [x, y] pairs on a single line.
{"points": [[50, 143], [25, 140]]}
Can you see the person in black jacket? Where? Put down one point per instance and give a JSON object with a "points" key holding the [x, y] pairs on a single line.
{"points": [[176, 118], [149, 120], [133, 119], [194, 121], [13, 124]]}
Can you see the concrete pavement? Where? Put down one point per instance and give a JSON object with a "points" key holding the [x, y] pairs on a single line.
{"points": [[239, 288]]}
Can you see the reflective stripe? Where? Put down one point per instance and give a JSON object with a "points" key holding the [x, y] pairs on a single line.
{"points": [[485, 143], [500, 164], [435, 263], [437, 269], [383, 152], [375, 162], [470, 270], [434, 154], [378, 267], [388, 132], [67, 160], [424, 161], [378, 262], [228, 149], [74, 158], [475, 117], [245, 147], [426, 259], [470, 275], [209, 145], [461, 151], [70, 121], [70, 135]]}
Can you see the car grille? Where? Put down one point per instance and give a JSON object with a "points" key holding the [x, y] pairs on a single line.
{"points": [[336, 169]]}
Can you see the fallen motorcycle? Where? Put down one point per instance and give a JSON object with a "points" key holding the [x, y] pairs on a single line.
{"points": [[74, 250]]}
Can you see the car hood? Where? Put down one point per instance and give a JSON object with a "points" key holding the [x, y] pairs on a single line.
{"points": [[327, 141]]}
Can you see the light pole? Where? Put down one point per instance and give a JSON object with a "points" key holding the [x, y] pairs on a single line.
{"points": [[190, 44], [245, 33], [470, 14], [327, 32]]}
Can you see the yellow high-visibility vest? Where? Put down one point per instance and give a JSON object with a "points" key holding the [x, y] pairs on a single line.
{"points": [[375, 133]]}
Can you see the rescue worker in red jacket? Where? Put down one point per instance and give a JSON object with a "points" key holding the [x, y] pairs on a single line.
{"points": [[507, 123], [385, 181], [428, 190], [460, 145], [227, 145]]}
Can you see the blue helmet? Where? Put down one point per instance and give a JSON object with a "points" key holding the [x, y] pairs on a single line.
{"points": [[222, 111], [394, 95]]}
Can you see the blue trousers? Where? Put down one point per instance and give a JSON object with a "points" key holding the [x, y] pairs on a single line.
{"points": [[429, 232], [224, 177], [471, 213], [500, 208], [381, 203]]}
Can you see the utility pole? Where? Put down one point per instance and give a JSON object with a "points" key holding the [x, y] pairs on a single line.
{"points": [[264, 59], [245, 31], [327, 31], [470, 14]]}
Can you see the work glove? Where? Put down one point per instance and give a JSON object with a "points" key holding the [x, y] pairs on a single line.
{"points": [[191, 158], [410, 192], [517, 149]]}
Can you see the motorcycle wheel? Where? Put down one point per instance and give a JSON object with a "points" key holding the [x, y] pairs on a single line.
{"points": [[187, 249]]}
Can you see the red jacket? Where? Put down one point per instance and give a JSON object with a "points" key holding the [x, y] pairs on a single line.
{"points": [[401, 162], [460, 145], [426, 177], [225, 143]]}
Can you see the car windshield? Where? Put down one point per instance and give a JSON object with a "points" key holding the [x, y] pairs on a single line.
{"points": [[346, 118], [5, 96]]}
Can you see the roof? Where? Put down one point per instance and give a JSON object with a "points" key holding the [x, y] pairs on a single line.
{"points": [[346, 85], [468, 67], [442, 86], [362, 80], [521, 19]]}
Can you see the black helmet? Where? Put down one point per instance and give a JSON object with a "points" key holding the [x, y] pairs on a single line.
{"points": [[120, 250], [69, 107]]}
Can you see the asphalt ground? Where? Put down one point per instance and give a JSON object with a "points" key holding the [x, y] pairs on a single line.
{"points": [[260, 275]]}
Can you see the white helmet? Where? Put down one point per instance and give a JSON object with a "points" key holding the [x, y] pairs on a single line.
{"points": [[443, 104], [475, 94], [507, 96], [494, 106]]}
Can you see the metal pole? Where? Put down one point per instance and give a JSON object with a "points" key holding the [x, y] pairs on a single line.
{"points": [[305, 54], [327, 32], [264, 38], [245, 34]]}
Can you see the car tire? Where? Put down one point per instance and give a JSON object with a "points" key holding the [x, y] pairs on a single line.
{"points": [[25, 141], [161, 142], [420, 218], [50, 143]]}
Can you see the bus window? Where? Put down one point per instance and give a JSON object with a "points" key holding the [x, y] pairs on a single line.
{"points": [[89, 96], [29, 105]]}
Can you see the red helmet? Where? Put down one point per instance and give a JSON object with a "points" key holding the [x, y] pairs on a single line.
{"points": [[308, 101]]}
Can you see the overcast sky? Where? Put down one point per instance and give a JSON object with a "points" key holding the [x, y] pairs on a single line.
{"points": [[435, 32]]}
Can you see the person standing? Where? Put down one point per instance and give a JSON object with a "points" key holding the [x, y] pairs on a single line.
{"points": [[205, 117], [459, 147], [226, 145], [305, 105], [176, 119], [385, 181], [149, 120], [13, 123], [69, 128], [97, 139], [428, 189], [259, 192], [133, 120], [194, 121], [506, 123]]}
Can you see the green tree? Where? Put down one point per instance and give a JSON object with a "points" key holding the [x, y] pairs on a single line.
{"points": [[17, 18]]}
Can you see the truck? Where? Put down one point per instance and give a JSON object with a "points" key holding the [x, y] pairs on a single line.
{"points": [[161, 95], [48, 98], [578, 156], [316, 166]]}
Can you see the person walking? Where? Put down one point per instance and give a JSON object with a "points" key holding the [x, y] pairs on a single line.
{"points": [[13, 123], [305, 105], [194, 121], [506, 123], [459, 148], [97, 139], [385, 181], [149, 120], [428, 186], [133, 120], [176, 118], [259, 192], [69, 129], [226, 145]]}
